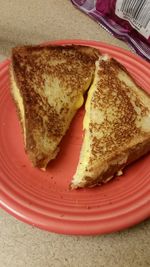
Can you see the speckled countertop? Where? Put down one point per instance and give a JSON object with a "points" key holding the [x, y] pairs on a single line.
{"points": [[21, 245]]}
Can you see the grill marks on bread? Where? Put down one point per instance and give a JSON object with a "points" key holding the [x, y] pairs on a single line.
{"points": [[117, 125], [50, 80]]}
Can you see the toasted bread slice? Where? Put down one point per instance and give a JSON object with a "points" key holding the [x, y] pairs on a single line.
{"points": [[47, 85], [116, 123]]}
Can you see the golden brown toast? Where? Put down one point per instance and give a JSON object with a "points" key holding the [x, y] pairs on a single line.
{"points": [[116, 123], [47, 85]]}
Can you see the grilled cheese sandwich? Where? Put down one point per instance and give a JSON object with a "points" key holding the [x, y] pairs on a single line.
{"points": [[116, 125], [48, 84]]}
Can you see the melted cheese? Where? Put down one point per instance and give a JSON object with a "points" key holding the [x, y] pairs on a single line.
{"points": [[79, 102], [19, 101], [89, 98], [80, 99], [85, 152]]}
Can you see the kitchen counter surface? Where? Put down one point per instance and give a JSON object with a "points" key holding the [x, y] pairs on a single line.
{"points": [[21, 245]]}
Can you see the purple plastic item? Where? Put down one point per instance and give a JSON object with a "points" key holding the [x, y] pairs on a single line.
{"points": [[128, 20]]}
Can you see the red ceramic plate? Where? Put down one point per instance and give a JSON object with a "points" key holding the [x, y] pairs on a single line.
{"points": [[43, 198]]}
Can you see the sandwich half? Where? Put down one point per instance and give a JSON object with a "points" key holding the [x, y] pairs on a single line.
{"points": [[116, 124], [47, 85]]}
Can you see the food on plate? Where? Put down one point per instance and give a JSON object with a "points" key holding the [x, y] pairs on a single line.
{"points": [[116, 124], [47, 85]]}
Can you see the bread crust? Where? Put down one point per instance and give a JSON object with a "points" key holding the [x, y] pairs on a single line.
{"points": [[132, 155]]}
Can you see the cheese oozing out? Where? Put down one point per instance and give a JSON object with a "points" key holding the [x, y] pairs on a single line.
{"points": [[19, 101]]}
